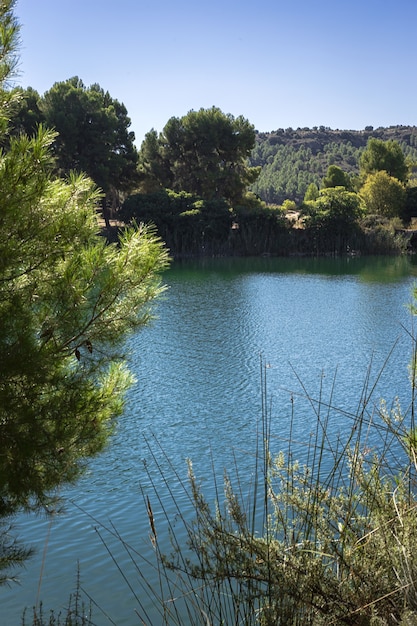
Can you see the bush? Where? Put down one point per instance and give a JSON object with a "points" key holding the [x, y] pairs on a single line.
{"points": [[329, 539], [304, 545], [383, 235]]}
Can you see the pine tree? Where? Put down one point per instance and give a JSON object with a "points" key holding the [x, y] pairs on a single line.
{"points": [[67, 301]]}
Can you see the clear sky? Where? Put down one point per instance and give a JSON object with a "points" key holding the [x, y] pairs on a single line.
{"points": [[279, 63]]}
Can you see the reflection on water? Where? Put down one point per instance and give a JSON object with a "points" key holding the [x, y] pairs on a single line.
{"points": [[319, 324], [370, 269]]}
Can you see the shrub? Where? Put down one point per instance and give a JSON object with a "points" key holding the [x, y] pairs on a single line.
{"points": [[304, 545]]}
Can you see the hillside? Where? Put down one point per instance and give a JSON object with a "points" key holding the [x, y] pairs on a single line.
{"points": [[292, 159]]}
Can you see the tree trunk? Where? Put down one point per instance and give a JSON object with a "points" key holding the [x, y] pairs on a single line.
{"points": [[106, 212]]}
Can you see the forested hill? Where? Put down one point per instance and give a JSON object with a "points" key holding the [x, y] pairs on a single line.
{"points": [[292, 159]]}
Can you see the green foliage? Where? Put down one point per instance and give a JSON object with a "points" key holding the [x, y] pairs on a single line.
{"points": [[336, 177], [384, 155], [337, 203], [67, 299], [331, 553], [285, 175], [187, 223], [331, 220], [331, 224], [289, 205], [410, 207], [383, 235], [203, 153], [153, 171], [9, 40], [26, 114], [326, 540], [67, 302], [312, 193], [291, 160], [93, 136], [193, 226], [261, 229], [383, 194], [12, 553]]}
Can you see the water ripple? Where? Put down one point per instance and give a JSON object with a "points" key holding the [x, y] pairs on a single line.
{"points": [[198, 394]]}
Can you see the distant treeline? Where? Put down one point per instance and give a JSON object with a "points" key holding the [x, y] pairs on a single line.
{"points": [[211, 184], [291, 160], [345, 192], [193, 227]]}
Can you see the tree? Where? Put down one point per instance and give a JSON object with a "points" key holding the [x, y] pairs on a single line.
{"points": [[289, 205], [336, 177], [154, 173], [26, 112], [410, 207], [383, 195], [204, 153], [384, 155], [93, 136], [338, 203], [188, 224], [67, 300], [312, 192], [332, 218]]}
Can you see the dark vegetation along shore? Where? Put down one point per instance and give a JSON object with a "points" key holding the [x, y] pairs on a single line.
{"points": [[213, 185], [314, 192]]}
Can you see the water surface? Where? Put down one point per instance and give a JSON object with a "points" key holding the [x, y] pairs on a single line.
{"points": [[317, 326]]}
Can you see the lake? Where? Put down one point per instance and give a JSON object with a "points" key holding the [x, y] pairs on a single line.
{"points": [[311, 326]]}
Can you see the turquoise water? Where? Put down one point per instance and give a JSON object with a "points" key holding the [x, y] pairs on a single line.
{"points": [[314, 324]]}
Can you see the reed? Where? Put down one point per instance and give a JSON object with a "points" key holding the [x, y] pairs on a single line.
{"points": [[76, 613], [316, 535], [303, 544]]}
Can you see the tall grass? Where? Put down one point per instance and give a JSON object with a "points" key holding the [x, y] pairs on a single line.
{"points": [[329, 538], [306, 542], [76, 613]]}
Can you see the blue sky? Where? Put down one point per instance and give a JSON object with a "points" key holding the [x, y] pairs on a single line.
{"points": [[278, 63]]}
